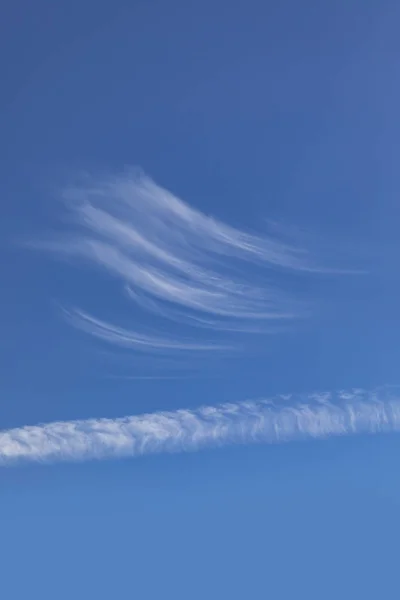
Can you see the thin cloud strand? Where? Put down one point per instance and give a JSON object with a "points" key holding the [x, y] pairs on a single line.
{"points": [[284, 419]]}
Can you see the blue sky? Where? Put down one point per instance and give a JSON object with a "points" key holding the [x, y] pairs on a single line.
{"points": [[199, 209]]}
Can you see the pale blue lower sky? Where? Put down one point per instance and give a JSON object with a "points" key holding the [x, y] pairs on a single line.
{"points": [[297, 521]]}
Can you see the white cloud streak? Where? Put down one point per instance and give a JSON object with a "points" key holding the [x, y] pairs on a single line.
{"points": [[179, 265], [131, 339], [284, 419]]}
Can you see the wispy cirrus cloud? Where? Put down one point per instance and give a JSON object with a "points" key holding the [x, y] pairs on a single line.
{"points": [[283, 419], [132, 339], [186, 268]]}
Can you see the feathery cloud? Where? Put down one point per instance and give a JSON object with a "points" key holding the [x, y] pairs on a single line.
{"points": [[179, 265], [284, 419]]}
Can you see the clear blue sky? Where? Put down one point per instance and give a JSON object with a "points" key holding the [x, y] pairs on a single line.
{"points": [[279, 119]]}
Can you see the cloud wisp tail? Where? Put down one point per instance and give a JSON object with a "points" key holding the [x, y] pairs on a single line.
{"points": [[283, 419]]}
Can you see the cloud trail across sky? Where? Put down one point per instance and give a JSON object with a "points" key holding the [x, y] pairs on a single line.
{"points": [[283, 419], [200, 281]]}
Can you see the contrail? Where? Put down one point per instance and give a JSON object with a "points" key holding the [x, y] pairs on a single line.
{"points": [[282, 419]]}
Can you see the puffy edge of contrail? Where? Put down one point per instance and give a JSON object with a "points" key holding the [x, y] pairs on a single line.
{"points": [[282, 419]]}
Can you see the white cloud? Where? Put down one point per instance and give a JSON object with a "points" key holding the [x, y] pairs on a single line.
{"points": [[179, 265], [284, 419], [131, 339]]}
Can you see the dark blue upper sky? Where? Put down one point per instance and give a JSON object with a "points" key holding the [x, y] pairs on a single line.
{"points": [[250, 112]]}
